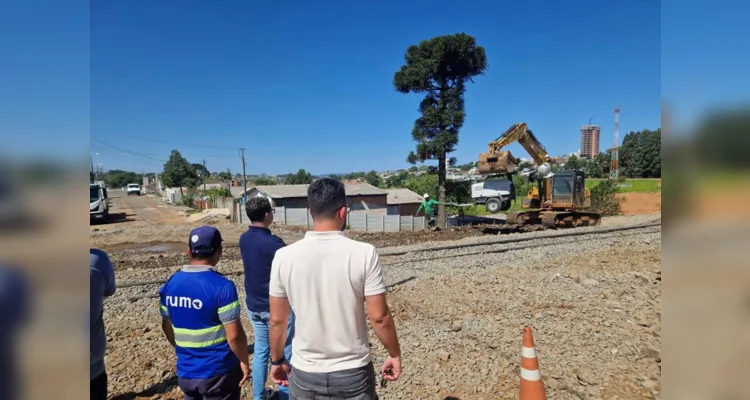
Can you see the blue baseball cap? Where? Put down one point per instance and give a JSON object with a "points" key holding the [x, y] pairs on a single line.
{"points": [[204, 240]]}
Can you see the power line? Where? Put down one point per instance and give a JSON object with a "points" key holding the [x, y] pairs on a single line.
{"points": [[137, 154], [126, 151], [178, 143]]}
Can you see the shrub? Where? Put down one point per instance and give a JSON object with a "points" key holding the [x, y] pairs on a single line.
{"points": [[188, 200], [604, 198], [218, 192]]}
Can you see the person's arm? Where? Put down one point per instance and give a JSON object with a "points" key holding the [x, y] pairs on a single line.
{"points": [[279, 307], [421, 207], [166, 326], [229, 315], [278, 324], [104, 265], [166, 322], [377, 307], [110, 287]]}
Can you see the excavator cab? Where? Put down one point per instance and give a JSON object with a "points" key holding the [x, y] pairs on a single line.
{"points": [[569, 190]]}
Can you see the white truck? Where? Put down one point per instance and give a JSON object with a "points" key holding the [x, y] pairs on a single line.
{"points": [[495, 194], [133, 188], [98, 203]]}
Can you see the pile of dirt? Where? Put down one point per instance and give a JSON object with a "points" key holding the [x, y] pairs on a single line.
{"points": [[640, 203]]}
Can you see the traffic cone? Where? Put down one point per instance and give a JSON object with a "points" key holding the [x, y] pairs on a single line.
{"points": [[532, 387]]}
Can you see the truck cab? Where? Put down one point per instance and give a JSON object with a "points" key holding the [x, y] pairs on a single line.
{"points": [[98, 203], [495, 194]]}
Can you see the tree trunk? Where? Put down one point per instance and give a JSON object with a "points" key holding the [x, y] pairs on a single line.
{"points": [[441, 191]]}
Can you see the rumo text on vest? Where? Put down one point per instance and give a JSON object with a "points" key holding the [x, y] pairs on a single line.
{"points": [[184, 302]]}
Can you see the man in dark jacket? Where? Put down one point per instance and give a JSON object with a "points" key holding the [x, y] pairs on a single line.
{"points": [[257, 248], [102, 284]]}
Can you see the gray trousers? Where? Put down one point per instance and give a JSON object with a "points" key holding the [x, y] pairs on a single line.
{"points": [[354, 384]]}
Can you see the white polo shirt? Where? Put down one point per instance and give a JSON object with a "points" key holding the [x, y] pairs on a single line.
{"points": [[326, 277]]}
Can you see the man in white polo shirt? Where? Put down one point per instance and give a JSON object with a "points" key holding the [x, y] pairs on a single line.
{"points": [[327, 278]]}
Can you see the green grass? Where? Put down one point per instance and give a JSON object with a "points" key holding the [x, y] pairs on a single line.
{"points": [[632, 185]]}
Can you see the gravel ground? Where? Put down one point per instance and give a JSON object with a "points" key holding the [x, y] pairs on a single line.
{"points": [[593, 301]]}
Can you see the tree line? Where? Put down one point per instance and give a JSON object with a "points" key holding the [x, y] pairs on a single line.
{"points": [[639, 155]]}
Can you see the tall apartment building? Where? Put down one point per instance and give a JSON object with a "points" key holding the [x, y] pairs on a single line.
{"points": [[589, 141]]}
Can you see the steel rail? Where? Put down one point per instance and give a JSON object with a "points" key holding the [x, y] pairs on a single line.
{"points": [[452, 247], [154, 296]]}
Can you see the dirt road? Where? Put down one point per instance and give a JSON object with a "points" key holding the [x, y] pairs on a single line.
{"points": [[142, 209]]}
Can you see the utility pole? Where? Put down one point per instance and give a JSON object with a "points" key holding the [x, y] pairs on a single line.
{"points": [[204, 179], [244, 180], [229, 183], [614, 166]]}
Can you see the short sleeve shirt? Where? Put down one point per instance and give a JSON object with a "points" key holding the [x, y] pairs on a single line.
{"points": [[326, 277], [199, 301]]}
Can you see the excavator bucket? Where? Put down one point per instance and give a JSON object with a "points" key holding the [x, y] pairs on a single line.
{"points": [[501, 162]]}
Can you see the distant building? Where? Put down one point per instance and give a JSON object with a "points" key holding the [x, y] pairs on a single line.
{"points": [[589, 141], [403, 202]]}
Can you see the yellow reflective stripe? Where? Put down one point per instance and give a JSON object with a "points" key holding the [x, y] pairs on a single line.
{"points": [[197, 332], [164, 310], [229, 306], [205, 337], [230, 312], [200, 344]]}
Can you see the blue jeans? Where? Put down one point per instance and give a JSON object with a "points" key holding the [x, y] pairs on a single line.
{"points": [[262, 353]]}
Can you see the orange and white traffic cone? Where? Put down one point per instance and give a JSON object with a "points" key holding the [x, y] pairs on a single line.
{"points": [[532, 387]]}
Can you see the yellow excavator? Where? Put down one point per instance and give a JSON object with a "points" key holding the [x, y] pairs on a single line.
{"points": [[557, 200]]}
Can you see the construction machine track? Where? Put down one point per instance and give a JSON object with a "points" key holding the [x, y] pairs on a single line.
{"points": [[554, 219]]}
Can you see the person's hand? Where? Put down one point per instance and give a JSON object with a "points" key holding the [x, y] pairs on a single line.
{"points": [[391, 370], [245, 373], [280, 374]]}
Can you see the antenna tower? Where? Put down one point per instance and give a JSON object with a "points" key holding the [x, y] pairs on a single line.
{"points": [[614, 167]]}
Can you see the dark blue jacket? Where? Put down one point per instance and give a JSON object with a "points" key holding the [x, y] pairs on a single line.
{"points": [[257, 248], [102, 284]]}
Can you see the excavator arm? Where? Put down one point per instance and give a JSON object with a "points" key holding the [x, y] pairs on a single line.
{"points": [[497, 161]]}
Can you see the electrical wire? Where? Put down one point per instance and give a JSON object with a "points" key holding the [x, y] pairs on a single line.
{"points": [[126, 151], [178, 143], [137, 154]]}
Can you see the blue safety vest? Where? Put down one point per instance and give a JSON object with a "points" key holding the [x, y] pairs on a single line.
{"points": [[199, 301]]}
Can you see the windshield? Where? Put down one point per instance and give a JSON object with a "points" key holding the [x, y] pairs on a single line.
{"points": [[93, 193], [132, 185]]}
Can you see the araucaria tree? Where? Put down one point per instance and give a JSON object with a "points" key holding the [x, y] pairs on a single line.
{"points": [[439, 67]]}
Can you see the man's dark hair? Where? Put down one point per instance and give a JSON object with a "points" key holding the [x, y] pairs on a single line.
{"points": [[257, 207], [205, 256], [325, 197]]}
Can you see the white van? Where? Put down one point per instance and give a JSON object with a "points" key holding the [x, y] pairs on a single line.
{"points": [[98, 203]]}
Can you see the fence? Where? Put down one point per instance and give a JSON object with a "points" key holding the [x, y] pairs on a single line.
{"points": [[357, 220], [215, 202]]}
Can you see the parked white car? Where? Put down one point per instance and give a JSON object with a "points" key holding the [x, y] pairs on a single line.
{"points": [[133, 188]]}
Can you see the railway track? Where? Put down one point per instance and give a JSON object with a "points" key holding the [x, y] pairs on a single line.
{"points": [[575, 235]]}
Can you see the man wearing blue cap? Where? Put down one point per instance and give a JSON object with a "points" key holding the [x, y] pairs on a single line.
{"points": [[201, 319]]}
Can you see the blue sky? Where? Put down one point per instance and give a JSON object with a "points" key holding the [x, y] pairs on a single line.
{"points": [[305, 86]]}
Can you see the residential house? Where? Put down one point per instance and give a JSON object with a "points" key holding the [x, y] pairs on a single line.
{"points": [[360, 196], [403, 202]]}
